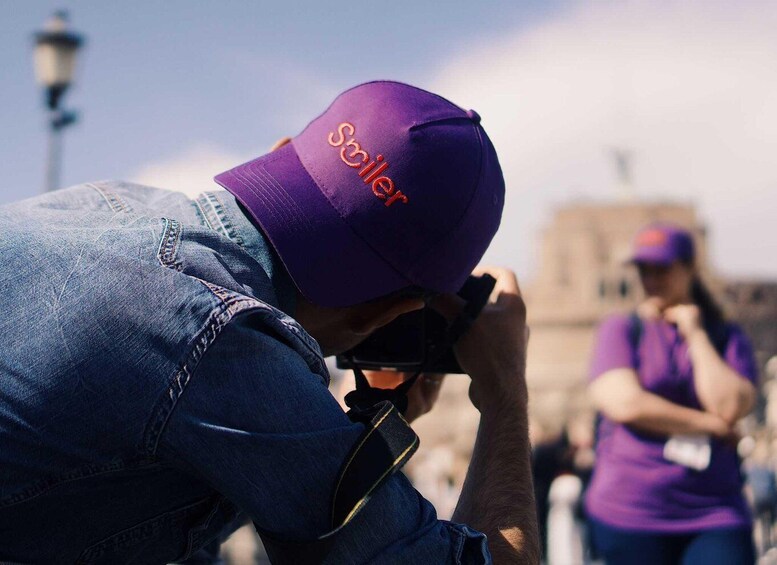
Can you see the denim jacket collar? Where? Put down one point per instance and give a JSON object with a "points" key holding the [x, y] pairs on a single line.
{"points": [[226, 216]]}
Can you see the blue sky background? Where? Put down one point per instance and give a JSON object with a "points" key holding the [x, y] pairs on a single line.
{"points": [[171, 93], [157, 77]]}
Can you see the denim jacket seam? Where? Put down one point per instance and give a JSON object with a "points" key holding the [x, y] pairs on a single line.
{"points": [[92, 553], [210, 202], [168, 244], [76, 474], [459, 549], [195, 541], [206, 208], [202, 214], [463, 535], [229, 306], [116, 202], [226, 295], [224, 218]]}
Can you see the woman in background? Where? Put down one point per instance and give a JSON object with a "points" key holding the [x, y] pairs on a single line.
{"points": [[670, 382]]}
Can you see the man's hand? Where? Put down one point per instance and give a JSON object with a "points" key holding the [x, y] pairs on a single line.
{"points": [[498, 498], [493, 351], [422, 395]]}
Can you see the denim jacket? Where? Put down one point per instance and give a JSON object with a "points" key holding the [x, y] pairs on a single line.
{"points": [[153, 389]]}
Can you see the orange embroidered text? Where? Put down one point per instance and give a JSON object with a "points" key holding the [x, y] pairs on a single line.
{"points": [[651, 238], [371, 172]]}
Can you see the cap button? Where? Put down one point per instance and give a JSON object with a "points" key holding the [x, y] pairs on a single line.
{"points": [[474, 116]]}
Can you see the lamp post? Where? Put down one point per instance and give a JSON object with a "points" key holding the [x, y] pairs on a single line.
{"points": [[55, 60]]}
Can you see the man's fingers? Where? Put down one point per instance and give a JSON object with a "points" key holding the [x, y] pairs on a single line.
{"points": [[449, 305], [670, 314], [431, 382], [506, 281], [506, 290], [280, 143]]}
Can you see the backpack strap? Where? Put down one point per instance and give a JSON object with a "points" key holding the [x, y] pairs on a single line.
{"points": [[386, 444], [635, 331], [719, 334]]}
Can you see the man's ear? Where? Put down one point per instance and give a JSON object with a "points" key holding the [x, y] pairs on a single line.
{"points": [[373, 315]]}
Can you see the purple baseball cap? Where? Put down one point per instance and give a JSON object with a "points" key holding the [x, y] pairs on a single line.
{"points": [[391, 187], [663, 244]]}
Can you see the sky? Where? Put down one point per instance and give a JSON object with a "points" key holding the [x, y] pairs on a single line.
{"points": [[172, 93]]}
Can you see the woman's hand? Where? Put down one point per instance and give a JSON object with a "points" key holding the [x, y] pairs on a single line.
{"points": [[651, 308], [687, 318]]}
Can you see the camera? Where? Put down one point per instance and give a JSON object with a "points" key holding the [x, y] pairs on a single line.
{"points": [[421, 340]]}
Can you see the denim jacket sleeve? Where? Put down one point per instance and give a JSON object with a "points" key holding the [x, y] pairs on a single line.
{"points": [[262, 428]]}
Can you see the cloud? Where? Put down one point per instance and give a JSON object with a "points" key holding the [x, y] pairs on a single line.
{"points": [[272, 105], [190, 172], [690, 89]]}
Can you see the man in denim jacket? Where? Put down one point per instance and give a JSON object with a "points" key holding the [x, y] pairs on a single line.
{"points": [[162, 377]]}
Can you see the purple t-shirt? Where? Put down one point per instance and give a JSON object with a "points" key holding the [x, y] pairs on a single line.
{"points": [[633, 486]]}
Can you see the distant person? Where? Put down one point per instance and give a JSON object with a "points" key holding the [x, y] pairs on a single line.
{"points": [[759, 470], [162, 372], [569, 457], [670, 380], [549, 460]]}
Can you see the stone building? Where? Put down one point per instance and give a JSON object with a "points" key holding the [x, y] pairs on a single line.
{"points": [[754, 305]]}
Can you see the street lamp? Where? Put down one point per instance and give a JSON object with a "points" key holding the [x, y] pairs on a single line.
{"points": [[55, 61]]}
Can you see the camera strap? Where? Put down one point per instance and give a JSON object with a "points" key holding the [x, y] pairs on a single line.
{"points": [[365, 397], [386, 444]]}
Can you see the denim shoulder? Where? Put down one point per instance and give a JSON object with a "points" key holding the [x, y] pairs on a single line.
{"points": [[105, 314]]}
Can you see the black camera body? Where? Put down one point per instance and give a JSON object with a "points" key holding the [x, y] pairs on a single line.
{"points": [[421, 340]]}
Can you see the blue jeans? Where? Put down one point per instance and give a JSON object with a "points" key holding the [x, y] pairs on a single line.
{"points": [[722, 546]]}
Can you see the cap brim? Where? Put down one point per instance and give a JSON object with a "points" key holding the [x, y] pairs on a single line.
{"points": [[330, 264], [656, 257]]}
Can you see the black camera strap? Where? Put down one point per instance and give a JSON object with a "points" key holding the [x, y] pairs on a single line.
{"points": [[365, 397], [386, 444]]}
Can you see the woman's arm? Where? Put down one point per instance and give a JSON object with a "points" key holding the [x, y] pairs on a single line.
{"points": [[720, 389], [619, 396]]}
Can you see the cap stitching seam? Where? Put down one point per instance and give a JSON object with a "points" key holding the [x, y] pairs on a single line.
{"points": [[431, 248], [437, 96], [283, 196], [274, 203], [384, 81]]}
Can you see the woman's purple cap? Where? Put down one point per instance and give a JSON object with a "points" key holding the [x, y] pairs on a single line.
{"points": [[390, 187], [663, 244]]}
